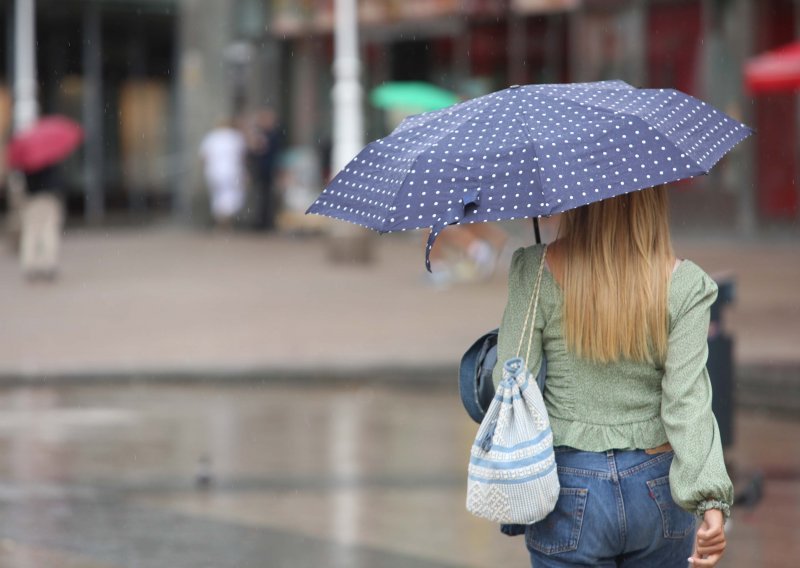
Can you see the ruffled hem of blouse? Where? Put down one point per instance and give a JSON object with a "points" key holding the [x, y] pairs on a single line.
{"points": [[588, 437]]}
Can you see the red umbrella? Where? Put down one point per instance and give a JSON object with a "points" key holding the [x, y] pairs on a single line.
{"points": [[49, 141], [774, 71]]}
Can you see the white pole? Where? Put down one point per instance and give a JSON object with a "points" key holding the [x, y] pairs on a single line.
{"points": [[347, 242], [26, 107], [348, 122]]}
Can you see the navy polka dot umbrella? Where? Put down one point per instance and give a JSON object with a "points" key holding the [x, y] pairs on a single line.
{"points": [[527, 151]]}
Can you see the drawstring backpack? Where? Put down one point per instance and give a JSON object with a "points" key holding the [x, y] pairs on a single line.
{"points": [[512, 477]]}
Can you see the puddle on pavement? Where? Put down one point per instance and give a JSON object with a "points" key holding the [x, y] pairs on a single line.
{"points": [[310, 467]]}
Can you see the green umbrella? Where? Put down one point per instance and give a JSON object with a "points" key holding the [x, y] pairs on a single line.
{"points": [[411, 95]]}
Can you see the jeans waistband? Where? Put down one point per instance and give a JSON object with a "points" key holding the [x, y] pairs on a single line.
{"points": [[608, 464]]}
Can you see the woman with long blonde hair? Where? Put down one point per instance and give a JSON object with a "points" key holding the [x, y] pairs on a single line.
{"points": [[623, 326]]}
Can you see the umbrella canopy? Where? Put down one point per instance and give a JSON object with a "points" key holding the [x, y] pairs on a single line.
{"points": [[774, 71], [49, 141], [527, 151], [416, 96]]}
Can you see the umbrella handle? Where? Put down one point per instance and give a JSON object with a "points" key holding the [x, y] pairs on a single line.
{"points": [[452, 216], [536, 230]]}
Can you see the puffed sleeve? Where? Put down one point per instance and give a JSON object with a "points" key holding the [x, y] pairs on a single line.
{"points": [[698, 478], [521, 280]]}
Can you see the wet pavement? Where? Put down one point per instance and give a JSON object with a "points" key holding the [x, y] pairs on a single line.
{"points": [[366, 475]]}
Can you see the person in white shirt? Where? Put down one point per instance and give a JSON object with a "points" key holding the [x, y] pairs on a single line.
{"points": [[223, 152]]}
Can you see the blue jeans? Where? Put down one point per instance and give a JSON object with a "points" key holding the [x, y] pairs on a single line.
{"points": [[615, 509]]}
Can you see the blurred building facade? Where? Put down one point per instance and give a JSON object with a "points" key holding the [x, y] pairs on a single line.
{"points": [[107, 64], [476, 46], [169, 69]]}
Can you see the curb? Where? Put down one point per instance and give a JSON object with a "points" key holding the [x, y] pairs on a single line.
{"points": [[756, 386], [400, 374]]}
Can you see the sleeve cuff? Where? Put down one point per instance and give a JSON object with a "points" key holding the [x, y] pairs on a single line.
{"points": [[713, 504]]}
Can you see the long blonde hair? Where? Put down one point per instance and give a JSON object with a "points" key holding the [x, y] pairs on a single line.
{"points": [[617, 264]]}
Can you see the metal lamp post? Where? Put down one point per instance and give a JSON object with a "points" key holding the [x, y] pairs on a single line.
{"points": [[347, 242], [26, 106], [348, 123]]}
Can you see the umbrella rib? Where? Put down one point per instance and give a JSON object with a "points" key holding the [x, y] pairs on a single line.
{"points": [[597, 108], [535, 153], [675, 143], [449, 132], [679, 145]]}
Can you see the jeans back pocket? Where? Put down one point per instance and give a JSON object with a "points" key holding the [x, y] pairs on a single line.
{"points": [[559, 531], [677, 523]]}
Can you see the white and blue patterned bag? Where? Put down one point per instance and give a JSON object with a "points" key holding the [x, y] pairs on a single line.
{"points": [[512, 469]]}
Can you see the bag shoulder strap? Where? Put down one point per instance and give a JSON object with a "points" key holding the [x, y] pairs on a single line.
{"points": [[530, 316]]}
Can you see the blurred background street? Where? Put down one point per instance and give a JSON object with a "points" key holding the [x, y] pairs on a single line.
{"points": [[194, 373], [172, 303]]}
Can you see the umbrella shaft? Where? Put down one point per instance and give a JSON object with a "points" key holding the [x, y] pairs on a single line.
{"points": [[536, 230]]}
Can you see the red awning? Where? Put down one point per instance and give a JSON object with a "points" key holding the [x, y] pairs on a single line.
{"points": [[774, 71]]}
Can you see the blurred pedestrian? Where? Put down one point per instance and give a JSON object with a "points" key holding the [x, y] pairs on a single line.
{"points": [[34, 153], [223, 152], [42, 222], [264, 145], [466, 252], [623, 325]]}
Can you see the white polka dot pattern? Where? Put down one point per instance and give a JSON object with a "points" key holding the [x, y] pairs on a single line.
{"points": [[527, 151]]}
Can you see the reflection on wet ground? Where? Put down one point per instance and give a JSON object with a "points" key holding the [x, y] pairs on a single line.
{"points": [[256, 475]]}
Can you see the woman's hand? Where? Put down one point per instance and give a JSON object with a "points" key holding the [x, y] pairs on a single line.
{"points": [[709, 543]]}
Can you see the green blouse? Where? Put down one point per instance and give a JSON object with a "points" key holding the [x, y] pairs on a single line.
{"points": [[627, 404]]}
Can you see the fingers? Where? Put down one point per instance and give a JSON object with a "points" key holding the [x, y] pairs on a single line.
{"points": [[703, 540], [707, 531], [709, 541], [709, 562], [702, 547], [709, 545], [718, 548]]}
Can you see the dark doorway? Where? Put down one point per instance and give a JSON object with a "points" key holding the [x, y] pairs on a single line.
{"points": [[411, 60]]}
